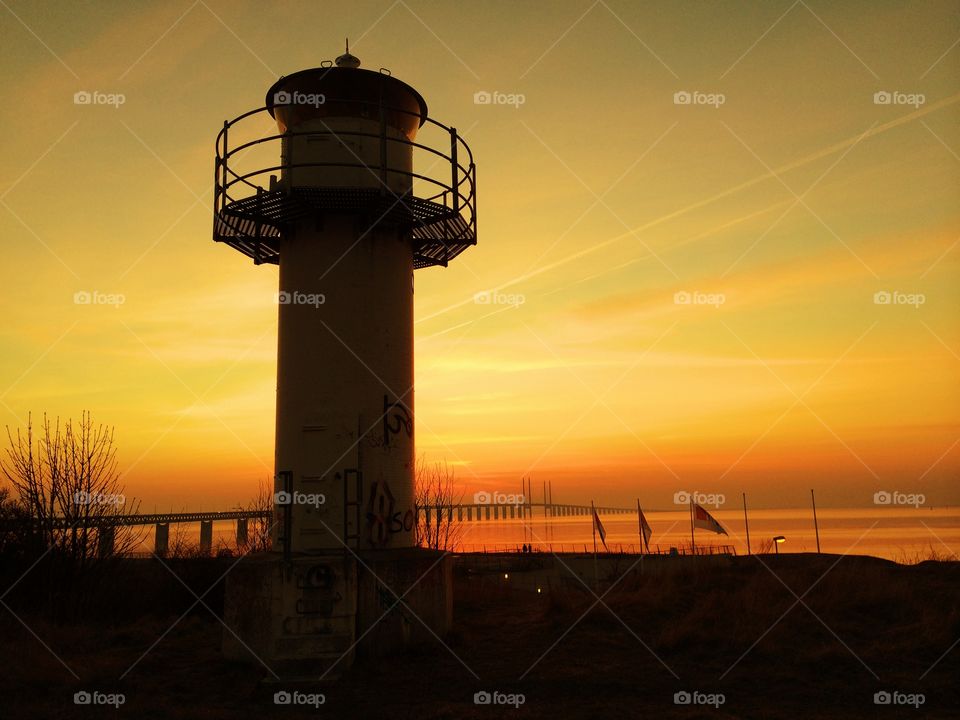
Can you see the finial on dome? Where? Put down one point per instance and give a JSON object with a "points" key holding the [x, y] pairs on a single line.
{"points": [[348, 60]]}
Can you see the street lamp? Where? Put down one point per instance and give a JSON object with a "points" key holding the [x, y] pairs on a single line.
{"points": [[776, 542]]}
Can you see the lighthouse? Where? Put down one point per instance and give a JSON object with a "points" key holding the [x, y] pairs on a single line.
{"points": [[362, 188]]}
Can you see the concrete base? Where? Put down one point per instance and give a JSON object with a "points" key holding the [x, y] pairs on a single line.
{"points": [[312, 616]]}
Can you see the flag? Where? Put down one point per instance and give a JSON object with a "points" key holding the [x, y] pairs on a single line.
{"points": [[645, 530], [598, 527], [703, 519]]}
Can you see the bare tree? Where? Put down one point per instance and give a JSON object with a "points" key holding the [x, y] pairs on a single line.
{"points": [[258, 528], [68, 485], [179, 545], [766, 546], [436, 494]]}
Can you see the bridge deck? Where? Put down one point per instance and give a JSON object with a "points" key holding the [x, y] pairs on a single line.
{"points": [[463, 511]]}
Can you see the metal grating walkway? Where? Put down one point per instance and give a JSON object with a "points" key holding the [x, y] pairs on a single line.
{"points": [[254, 225]]}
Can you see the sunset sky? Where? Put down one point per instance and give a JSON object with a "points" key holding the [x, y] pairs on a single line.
{"points": [[794, 201]]}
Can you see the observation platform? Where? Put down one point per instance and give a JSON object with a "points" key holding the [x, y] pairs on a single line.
{"points": [[253, 208]]}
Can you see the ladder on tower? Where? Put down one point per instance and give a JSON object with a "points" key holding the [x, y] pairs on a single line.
{"points": [[352, 502]]}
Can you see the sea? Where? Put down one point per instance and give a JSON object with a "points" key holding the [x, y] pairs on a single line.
{"points": [[904, 534]]}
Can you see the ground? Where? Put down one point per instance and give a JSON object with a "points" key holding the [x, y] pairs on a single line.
{"points": [[861, 626]]}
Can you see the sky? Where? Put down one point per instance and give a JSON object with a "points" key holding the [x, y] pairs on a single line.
{"points": [[812, 176]]}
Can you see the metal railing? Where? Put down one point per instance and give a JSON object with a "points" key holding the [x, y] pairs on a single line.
{"points": [[452, 192], [62, 523], [568, 548]]}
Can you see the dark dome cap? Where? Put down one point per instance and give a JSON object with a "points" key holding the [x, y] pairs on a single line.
{"points": [[344, 90]]}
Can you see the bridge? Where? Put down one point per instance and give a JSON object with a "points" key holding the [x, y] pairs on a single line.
{"points": [[166, 518], [477, 511], [108, 524], [459, 512]]}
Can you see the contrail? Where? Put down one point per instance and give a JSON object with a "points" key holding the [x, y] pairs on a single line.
{"points": [[829, 150]]}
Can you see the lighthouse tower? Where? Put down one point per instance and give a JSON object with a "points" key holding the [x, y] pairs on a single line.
{"points": [[363, 189]]}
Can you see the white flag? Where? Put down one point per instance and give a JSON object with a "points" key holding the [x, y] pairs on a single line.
{"points": [[703, 519]]}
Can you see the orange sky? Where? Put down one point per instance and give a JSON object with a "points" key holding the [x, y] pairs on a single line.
{"points": [[796, 200]]}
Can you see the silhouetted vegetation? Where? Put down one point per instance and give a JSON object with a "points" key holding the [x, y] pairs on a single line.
{"points": [[258, 528], [436, 489], [59, 510], [66, 484]]}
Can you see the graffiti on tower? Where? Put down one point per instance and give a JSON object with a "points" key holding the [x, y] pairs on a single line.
{"points": [[396, 418], [383, 517]]}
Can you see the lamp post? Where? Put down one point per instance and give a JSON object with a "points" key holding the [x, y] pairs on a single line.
{"points": [[776, 543]]}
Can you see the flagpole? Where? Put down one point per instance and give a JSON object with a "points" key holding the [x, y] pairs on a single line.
{"points": [[593, 522], [640, 524], [642, 538], [523, 510], [693, 538], [746, 523], [641, 519], [816, 528]]}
